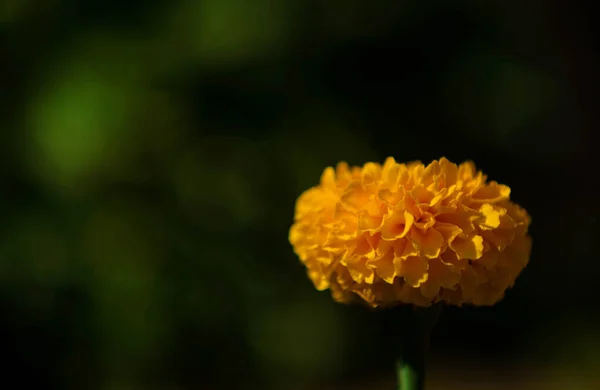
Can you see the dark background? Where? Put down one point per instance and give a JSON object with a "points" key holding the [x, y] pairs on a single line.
{"points": [[151, 153]]}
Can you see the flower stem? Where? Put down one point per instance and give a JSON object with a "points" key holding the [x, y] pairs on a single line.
{"points": [[410, 367]]}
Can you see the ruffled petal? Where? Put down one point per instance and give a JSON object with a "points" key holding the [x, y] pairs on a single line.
{"points": [[468, 248], [428, 242], [413, 269]]}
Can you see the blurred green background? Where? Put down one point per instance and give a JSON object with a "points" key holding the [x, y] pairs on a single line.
{"points": [[151, 153]]}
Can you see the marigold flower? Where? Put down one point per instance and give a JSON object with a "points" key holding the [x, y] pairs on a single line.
{"points": [[409, 233]]}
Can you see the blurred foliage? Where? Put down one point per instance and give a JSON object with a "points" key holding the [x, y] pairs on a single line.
{"points": [[152, 153]]}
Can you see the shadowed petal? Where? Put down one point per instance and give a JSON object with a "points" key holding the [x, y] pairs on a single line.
{"points": [[429, 242], [468, 248], [384, 266], [412, 269]]}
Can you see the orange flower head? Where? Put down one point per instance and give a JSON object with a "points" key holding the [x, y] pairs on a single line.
{"points": [[409, 233]]}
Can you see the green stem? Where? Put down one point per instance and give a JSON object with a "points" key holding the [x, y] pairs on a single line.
{"points": [[414, 346], [411, 365]]}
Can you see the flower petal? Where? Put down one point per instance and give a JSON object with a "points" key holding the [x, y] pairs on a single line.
{"points": [[389, 164], [428, 242], [396, 225], [468, 283], [413, 269], [448, 230], [384, 266], [430, 288], [445, 274], [471, 278], [328, 179], [391, 198], [421, 195], [413, 295], [370, 175], [360, 272], [468, 248], [492, 217], [355, 197], [430, 172], [369, 223], [425, 221], [364, 248], [499, 238], [404, 248], [456, 219], [451, 258], [317, 276], [334, 245], [438, 197], [492, 192]]}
